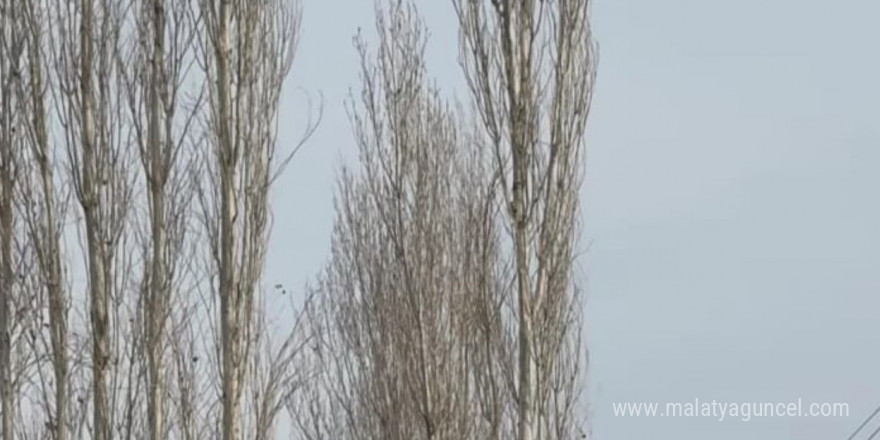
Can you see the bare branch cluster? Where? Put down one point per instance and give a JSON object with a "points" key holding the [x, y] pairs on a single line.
{"points": [[410, 338]]}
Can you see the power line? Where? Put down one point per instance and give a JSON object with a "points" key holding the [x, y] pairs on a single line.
{"points": [[874, 434], [851, 437]]}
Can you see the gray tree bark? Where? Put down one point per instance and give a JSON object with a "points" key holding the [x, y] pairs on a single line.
{"points": [[156, 176], [10, 52]]}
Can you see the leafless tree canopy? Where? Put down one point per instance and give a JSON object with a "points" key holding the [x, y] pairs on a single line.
{"points": [[411, 341], [138, 152], [530, 66]]}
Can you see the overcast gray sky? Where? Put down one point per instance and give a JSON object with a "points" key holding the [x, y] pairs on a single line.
{"points": [[731, 201]]}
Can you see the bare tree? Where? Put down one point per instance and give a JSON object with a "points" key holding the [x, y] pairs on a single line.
{"points": [[248, 49], [158, 65], [531, 66], [84, 48], [410, 296]]}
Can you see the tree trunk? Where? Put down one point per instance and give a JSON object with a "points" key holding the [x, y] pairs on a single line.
{"points": [[156, 303], [230, 330], [520, 93], [95, 246], [8, 73], [7, 397]]}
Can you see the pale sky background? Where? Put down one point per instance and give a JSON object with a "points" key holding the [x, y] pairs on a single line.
{"points": [[731, 202]]}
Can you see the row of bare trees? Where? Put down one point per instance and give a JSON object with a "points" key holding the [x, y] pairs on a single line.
{"points": [[137, 155], [138, 150]]}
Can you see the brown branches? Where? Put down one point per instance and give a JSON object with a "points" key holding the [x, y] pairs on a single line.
{"points": [[408, 322]]}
